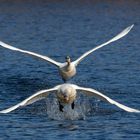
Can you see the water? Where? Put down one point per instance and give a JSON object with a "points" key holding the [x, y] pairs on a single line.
{"points": [[60, 28]]}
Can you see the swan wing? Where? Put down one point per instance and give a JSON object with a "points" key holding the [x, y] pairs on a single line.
{"points": [[102, 97], [34, 98], [120, 35], [30, 53]]}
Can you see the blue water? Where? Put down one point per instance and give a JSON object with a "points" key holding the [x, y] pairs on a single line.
{"points": [[56, 29]]}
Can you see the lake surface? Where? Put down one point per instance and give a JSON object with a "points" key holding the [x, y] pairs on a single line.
{"points": [[56, 29]]}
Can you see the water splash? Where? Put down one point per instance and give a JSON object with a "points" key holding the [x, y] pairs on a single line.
{"points": [[83, 107]]}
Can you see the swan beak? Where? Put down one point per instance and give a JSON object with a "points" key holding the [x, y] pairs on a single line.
{"points": [[66, 98]]}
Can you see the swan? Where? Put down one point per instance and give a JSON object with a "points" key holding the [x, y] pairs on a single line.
{"points": [[66, 94], [68, 69]]}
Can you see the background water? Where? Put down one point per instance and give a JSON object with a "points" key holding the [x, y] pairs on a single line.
{"points": [[57, 28]]}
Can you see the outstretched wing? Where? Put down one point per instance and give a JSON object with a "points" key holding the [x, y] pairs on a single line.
{"points": [[34, 98], [30, 53], [102, 97], [120, 35]]}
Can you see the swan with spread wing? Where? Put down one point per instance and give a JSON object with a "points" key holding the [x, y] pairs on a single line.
{"points": [[66, 94], [68, 68]]}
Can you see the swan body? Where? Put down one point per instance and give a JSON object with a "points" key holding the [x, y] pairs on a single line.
{"points": [[68, 69], [66, 94]]}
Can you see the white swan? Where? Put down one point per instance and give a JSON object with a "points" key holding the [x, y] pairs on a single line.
{"points": [[66, 94], [68, 69]]}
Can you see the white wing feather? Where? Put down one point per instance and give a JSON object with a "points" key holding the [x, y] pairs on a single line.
{"points": [[30, 53], [101, 96], [120, 35], [34, 98]]}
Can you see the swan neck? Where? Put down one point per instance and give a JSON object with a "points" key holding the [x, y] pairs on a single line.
{"points": [[68, 66], [68, 63]]}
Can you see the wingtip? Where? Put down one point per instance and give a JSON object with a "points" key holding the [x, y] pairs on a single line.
{"points": [[132, 110], [137, 111], [131, 26]]}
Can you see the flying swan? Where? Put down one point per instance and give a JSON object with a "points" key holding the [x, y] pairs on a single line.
{"points": [[68, 68], [66, 94]]}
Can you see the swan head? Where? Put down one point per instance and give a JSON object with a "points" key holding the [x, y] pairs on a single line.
{"points": [[68, 60], [66, 94]]}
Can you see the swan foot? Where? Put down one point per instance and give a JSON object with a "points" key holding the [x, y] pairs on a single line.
{"points": [[72, 105], [61, 107], [64, 80]]}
